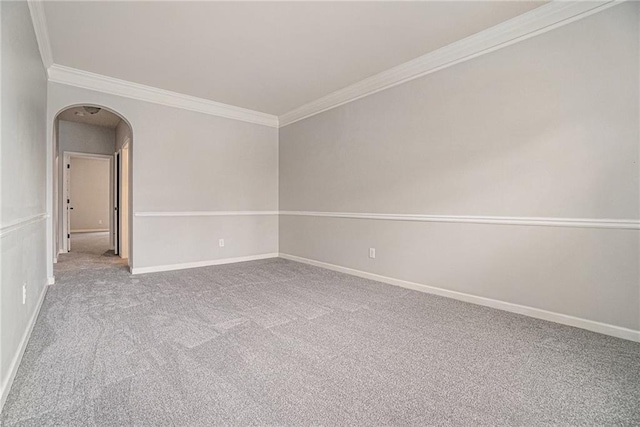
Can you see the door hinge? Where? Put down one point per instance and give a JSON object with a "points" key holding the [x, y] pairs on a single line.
{"points": [[68, 201], [68, 166], [68, 236]]}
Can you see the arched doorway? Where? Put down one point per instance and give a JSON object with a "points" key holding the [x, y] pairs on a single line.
{"points": [[92, 146]]}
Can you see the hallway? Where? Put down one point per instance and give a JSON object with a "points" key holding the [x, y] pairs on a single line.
{"points": [[88, 251]]}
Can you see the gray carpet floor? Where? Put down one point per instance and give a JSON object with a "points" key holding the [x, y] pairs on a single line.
{"points": [[275, 342], [88, 250]]}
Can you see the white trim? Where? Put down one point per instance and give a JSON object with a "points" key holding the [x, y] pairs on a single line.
{"points": [[51, 281], [207, 213], [538, 21], [17, 358], [603, 328], [185, 265], [535, 22], [90, 230], [36, 9], [625, 224], [110, 85], [81, 155], [21, 223]]}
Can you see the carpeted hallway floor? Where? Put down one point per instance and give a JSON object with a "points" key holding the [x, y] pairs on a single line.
{"points": [[275, 342], [88, 250]]}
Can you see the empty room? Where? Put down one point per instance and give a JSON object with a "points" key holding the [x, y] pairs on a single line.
{"points": [[371, 213]]}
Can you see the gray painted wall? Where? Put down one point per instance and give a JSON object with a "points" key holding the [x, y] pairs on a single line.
{"points": [[548, 127], [22, 183], [85, 138], [90, 194], [185, 161]]}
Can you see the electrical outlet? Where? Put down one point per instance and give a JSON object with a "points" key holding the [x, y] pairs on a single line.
{"points": [[24, 293], [221, 243], [372, 252]]}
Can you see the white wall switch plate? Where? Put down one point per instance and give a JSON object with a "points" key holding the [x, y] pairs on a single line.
{"points": [[372, 252], [221, 243]]}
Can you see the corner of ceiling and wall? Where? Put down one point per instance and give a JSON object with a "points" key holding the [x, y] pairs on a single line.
{"points": [[530, 24]]}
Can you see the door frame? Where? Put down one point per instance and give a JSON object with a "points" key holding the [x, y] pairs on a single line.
{"points": [[117, 184], [64, 206], [123, 199]]}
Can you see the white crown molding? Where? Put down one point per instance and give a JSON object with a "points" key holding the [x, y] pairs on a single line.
{"points": [[21, 223], [590, 325], [207, 213], [538, 21], [624, 224], [527, 25], [86, 80], [36, 9]]}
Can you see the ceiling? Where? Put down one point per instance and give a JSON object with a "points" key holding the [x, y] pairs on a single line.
{"points": [[102, 118], [266, 56]]}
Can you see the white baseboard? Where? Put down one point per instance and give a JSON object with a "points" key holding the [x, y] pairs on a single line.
{"points": [[90, 230], [590, 325], [169, 267], [17, 358]]}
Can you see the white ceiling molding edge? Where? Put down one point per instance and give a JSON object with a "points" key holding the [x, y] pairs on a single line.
{"points": [[84, 79], [36, 9], [100, 83], [530, 24]]}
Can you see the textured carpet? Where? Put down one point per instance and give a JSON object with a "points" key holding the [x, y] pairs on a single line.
{"points": [[275, 342], [88, 250]]}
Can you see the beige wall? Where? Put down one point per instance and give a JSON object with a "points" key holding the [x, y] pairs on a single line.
{"points": [[22, 185], [548, 127], [90, 191]]}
